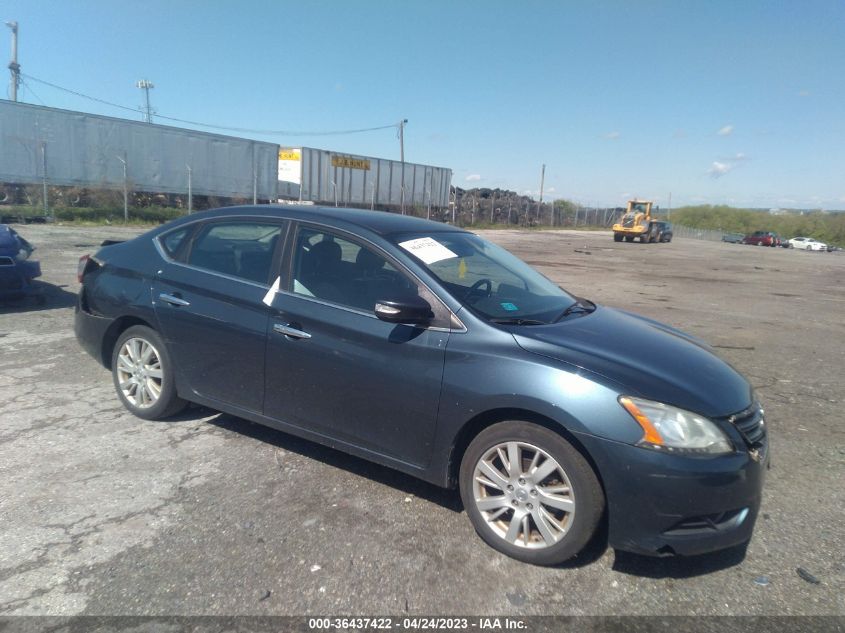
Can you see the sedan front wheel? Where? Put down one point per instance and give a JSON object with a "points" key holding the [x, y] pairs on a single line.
{"points": [[529, 493]]}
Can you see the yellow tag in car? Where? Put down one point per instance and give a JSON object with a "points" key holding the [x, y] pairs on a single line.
{"points": [[462, 269]]}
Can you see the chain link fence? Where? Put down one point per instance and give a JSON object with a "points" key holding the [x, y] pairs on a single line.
{"points": [[711, 235]]}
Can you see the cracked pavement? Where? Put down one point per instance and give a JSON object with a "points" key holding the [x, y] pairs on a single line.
{"points": [[105, 514]]}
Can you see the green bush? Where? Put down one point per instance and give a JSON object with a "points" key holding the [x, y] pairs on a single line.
{"points": [[143, 215], [103, 215]]}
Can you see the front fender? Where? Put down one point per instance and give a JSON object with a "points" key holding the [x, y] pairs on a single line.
{"points": [[496, 374]]}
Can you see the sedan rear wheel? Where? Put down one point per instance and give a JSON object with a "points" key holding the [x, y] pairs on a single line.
{"points": [[529, 493], [143, 375]]}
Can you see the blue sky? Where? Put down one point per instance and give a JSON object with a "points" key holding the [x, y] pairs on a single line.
{"points": [[722, 102]]}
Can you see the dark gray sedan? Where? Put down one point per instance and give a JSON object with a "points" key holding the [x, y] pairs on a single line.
{"points": [[428, 349]]}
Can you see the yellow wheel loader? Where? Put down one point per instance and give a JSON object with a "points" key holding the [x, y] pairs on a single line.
{"points": [[636, 223]]}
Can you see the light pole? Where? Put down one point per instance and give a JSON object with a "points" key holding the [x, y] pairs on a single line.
{"points": [[125, 190], [44, 177], [190, 191], [542, 183], [146, 85], [372, 196], [402, 125]]}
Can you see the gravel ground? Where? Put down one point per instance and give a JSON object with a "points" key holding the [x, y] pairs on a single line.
{"points": [[102, 513]]}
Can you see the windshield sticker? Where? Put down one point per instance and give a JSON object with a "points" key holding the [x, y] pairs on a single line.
{"points": [[427, 249], [462, 269], [509, 306]]}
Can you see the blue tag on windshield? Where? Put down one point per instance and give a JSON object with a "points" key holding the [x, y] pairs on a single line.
{"points": [[509, 307]]}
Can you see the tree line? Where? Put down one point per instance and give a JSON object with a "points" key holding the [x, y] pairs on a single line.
{"points": [[828, 227]]}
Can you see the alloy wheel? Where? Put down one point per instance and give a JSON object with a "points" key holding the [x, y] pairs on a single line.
{"points": [[139, 373], [524, 495]]}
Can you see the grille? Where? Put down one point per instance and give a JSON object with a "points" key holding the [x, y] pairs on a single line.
{"points": [[751, 424], [7, 261]]}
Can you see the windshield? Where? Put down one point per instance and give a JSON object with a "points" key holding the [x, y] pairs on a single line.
{"points": [[489, 280]]}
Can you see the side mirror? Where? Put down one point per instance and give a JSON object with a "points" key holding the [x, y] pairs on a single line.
{"points": [[410, 310]]}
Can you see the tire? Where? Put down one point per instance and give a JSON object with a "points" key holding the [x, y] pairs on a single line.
{"points": [[617, 238], [142, 364], [575, 509], [629, 238]]}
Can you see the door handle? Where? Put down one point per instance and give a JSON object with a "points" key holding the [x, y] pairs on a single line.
{"points": [[173, 300], [292, 332]]}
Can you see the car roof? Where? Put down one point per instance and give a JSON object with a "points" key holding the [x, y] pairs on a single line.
{"points": [[381, 222]]}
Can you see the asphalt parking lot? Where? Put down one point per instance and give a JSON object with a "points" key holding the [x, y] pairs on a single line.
{"points": [[103, 513]]}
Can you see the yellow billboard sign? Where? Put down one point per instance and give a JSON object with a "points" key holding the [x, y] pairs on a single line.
{"points": [[290, 154], [351, 163]]}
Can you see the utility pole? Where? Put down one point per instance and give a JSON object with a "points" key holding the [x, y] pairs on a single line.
{"points": [[492, 208], [146, 85], [125, 189], [402, 124], [14, 66], [669, 212]]}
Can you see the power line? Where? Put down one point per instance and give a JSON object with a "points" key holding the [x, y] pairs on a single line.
{"points": [[32, 92], [209, 125], [79, 94]]}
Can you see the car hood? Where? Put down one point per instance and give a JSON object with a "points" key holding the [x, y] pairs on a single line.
{"points": [[645, 357]]}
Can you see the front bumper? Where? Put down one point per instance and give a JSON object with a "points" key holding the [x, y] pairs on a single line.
{"points": [[16, 280], [661, 504]]}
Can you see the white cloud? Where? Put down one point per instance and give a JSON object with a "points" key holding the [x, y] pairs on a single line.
{"points": [[612, 136], [740, 156], [726, 130], [717, 169], [803, 93], [551, 190], [473, 177]]}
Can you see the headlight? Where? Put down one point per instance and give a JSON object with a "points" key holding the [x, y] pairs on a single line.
{"points": [[675, 430]]}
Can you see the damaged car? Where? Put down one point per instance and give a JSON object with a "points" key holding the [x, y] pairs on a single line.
{"points": [[17, 270]]}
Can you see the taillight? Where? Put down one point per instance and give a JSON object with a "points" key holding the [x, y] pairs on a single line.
{"points": [[81, 267]]}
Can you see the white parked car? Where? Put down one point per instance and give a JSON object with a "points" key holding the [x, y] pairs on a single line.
{"points": [[807, 244]]}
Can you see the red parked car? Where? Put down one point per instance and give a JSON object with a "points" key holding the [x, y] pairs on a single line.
{"points": [[762, 238]]}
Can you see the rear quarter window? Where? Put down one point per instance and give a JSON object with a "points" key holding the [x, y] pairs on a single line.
{"points": [[171, 242]]}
